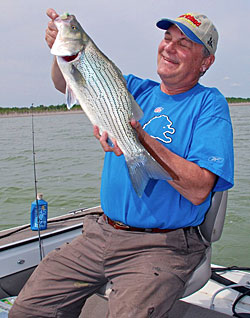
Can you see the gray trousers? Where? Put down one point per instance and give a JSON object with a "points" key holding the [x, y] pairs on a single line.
{"points": [[147, 272]]}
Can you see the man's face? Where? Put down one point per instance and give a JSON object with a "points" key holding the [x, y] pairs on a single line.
{"points": [[180, 60]]}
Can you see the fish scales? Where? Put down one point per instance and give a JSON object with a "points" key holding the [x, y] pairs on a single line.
{"points": [[99, 86], [116, 120], [97, 82], [122, 114], [95, 90], [104, 77]]}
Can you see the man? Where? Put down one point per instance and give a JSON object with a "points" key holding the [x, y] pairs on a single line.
{"points": [[147, 247]]}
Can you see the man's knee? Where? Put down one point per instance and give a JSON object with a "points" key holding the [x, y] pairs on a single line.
{"points": [[15, 312]]}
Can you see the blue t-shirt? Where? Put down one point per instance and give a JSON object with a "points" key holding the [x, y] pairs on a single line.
{"points": [[195, 125]]}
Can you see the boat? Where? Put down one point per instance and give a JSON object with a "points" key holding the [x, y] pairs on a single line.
{"points": [[213, 291]]}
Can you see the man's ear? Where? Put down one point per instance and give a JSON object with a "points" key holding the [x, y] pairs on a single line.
{"points": [[207, 62]]}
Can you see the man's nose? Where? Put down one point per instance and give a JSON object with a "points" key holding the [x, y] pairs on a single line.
{"points": [[170, 46]]}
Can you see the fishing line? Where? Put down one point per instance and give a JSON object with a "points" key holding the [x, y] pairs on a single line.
{"points": [[35, 181]]}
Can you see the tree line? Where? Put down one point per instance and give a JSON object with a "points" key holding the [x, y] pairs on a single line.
{"points": [[36, 109], [237, 100]]}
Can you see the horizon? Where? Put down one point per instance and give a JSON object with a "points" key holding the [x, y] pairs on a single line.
{"points": [[242, 100]]}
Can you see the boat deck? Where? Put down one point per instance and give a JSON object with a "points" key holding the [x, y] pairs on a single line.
{"points": [[19, 233]]}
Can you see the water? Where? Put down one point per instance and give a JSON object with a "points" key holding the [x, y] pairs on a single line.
{"points": [[233, 248], [69, 163]]}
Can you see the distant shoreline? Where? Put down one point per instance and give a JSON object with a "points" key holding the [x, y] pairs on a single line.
{"points": [[17, 114], [239, 104], [70, 112]]}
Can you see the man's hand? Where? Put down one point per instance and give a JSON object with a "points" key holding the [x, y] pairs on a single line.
{"points": [[104, 142], [51, 31], [115, 148], [50, 36], [138, 128]]}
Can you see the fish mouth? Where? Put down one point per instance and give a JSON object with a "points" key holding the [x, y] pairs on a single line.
{"points": [[70, 58]]}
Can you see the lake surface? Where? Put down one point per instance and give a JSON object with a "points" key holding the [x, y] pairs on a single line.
{"points": [[69, 163]]}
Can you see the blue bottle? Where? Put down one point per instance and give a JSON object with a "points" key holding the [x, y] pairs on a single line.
{"points": [[43, 214]]}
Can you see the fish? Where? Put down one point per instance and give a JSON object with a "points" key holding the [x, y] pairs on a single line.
{"points": [[98, 85]]}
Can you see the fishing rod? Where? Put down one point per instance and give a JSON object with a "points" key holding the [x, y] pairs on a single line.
{"points": [[35, 181]]}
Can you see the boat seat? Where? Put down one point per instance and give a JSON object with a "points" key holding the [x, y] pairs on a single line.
{"points": [[210, 230]]}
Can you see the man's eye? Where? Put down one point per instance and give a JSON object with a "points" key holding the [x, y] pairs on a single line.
{"points": [[167, 39], [185, 43]]}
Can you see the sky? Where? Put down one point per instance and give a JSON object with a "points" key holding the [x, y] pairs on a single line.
{"points": [[125, 31]]}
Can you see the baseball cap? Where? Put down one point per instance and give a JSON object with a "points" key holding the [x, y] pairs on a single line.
{"points": [[197, 27]]}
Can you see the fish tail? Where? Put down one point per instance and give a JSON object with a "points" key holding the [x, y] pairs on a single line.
{"points": [[142, 168]]}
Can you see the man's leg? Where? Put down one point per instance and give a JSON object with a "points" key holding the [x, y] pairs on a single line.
{"points": [[149, 271], [65, 278]]}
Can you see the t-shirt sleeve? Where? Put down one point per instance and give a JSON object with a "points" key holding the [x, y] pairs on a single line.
{"points": [[212, 146]]}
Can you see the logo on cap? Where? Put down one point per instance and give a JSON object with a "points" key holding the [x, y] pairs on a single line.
{"points": [[190, 18], [210, 42]]}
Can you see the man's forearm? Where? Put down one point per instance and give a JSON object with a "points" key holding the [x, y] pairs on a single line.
{"points": [[57, 77], [191, 181]]}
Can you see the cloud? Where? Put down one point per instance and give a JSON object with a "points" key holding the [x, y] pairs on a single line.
{"points": [[235, 85]]}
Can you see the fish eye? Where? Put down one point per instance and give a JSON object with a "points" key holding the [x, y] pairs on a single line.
{"points": [[73, 27]]}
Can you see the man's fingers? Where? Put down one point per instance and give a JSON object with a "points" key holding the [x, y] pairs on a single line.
{"points": [[52, 14], [104, 142], [52, 27], [102, 138], [51, 31], [138, 128], [96, 132], [116, 148], [135, 124], [50, 37]]}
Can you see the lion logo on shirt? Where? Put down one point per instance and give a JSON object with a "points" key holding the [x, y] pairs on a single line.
{"points": [[163, 126]]}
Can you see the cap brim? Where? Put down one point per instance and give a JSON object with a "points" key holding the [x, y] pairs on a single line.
{"points": [[164, 24]]}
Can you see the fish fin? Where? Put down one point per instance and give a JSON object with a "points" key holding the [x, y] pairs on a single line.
{"points": [[142, 169], [136, 109], [138, 176], [70, 98], [155, 170]]}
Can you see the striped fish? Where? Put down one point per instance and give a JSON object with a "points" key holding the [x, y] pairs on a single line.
{"points": [[100, 88]]}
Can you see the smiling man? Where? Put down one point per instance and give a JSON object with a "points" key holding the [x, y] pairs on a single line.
{"points": [[181, 61], [147, 247]]}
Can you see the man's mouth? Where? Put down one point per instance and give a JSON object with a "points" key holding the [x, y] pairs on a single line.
{"points": [[167, 59]]}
